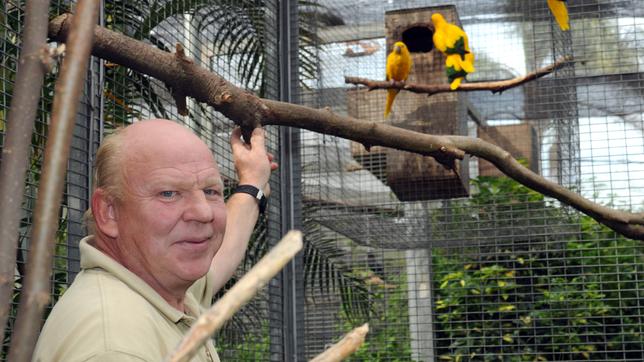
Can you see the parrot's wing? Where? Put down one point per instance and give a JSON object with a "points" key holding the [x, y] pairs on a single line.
{"points": [[406, 65], [453, 34], [389, 67], [459, 47]]}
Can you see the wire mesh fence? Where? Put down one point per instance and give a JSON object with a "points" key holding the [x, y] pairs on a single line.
{"points": [[211, 33], [447, 265], [470, 265]]}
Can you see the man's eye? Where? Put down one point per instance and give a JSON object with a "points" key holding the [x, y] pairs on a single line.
{"points": [[211, 192], [167, 194]]}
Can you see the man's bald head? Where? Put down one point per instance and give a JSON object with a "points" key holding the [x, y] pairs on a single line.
{"points": [[158, 135]]}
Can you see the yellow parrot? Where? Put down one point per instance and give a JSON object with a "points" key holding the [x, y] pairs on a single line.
{"points": [[559, 10], [457, 68], [452, 41], [398, 68]]}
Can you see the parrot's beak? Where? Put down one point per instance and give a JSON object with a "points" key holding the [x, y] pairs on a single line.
{"points": [[397, 49]]}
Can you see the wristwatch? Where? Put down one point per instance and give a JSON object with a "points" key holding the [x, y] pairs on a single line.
{"points": [[256, 193]]}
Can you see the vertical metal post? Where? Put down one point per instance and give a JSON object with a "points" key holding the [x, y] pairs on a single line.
{"points": [[290, 190], [84, 143]]}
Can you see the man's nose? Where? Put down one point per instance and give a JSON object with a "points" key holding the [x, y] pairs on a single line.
{"points": [[198, 208]]}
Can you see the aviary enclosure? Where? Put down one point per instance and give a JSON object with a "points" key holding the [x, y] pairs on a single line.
{"points": [[445, 257]]}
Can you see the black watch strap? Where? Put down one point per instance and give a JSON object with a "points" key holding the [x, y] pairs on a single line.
{"points": [[256, 193]]}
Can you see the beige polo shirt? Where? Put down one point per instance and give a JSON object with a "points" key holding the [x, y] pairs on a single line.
{"points": [[110, 314]]}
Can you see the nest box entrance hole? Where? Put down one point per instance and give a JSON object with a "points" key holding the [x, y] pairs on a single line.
{"points": [[419, 38]]}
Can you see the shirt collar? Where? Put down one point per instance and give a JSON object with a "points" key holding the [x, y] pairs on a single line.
{"points": [[94, 258]]}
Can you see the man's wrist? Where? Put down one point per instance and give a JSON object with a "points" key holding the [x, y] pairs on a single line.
{"points": [[255, 192]]}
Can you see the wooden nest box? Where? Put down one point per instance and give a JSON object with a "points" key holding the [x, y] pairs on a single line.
{"points": [[413, 177]]}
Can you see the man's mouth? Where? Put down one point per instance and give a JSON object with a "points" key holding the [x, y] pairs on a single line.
{"points": [[197, 240]]}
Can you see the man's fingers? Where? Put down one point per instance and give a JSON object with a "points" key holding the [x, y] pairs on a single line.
{"points": [[257, 143], [257, 138], [235, 137]]}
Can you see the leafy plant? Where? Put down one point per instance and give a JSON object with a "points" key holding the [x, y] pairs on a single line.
{"points": [[528, 301], [250, 348]]}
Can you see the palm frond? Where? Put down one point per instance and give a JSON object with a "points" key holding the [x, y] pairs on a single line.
{"points": [[157, 13], [325, 270], [144, 87]]}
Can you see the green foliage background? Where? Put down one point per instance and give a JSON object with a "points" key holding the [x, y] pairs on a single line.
{"points": [[576, 299], [388, 338]]}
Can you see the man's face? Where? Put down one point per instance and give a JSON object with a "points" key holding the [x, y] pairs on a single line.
{"points": [[172, 216]]}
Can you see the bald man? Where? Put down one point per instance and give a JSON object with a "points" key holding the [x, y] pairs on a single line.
{"points": [[162, 242]]}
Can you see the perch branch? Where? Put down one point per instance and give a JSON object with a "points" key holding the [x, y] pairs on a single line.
{"points": [[248, 110], [68, 89], [494, 87], [345, 347], [17, 143], [243, 291]]}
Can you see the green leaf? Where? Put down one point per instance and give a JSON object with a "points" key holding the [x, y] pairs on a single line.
{"points": [[507, 308]]}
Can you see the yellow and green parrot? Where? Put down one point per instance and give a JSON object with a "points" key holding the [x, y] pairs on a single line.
{"points": [[559, 10], [398, 68], [457, 69], [452, 41]]}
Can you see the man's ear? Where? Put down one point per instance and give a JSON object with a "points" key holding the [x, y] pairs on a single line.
{"points": [[105, 216]]}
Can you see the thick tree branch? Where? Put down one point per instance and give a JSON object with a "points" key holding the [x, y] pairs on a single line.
{"points": [[15, 150], [69, 86], [248, 110], [494, 87]]}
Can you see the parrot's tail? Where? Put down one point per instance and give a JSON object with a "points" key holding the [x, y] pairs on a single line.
{"points": [[391, 94], [456, 83], [560, 12]]}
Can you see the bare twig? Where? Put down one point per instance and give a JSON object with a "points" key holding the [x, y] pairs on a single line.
{"points": [[248, 110], [15, 150], [431, 89], [243, 291], [35, 294], [345, 347]]}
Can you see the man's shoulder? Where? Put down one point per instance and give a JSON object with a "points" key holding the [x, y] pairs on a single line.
{"points": [[98, 295], [99, 315]]}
